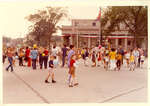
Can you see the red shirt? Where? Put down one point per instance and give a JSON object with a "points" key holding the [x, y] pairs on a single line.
{"points": [[72, 62], [10, 54], [27, 52], [46, 52]]}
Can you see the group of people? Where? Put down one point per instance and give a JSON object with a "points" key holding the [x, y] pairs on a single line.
{"points": [[109, 58]]}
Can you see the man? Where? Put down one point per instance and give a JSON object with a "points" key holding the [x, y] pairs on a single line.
{"points": [[64, 54], [10, 59], [34, 55]]}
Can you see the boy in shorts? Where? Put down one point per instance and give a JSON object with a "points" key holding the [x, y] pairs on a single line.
{"points": [[51, 70]]}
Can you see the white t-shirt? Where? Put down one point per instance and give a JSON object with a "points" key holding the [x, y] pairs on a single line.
{"points": [[54, 52], [106, 59], [142, 58], [136, 53], [127, 55]]}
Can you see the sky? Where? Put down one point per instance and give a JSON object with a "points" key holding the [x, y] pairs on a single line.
{"points": [[13, 23], [12, 14]]}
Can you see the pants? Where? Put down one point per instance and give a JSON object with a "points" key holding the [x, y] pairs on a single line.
{"points": [[10, 59], [4, 57], [122, 59], [63, 60], [118, 64], [45, 61], [29, 61], [139, 61], [20, 61], [112, 64], [136, 61], [41, 60], [34, 63]]}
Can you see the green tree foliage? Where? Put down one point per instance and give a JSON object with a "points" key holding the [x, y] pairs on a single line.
{"points": [[45, 24], [134, 17]]}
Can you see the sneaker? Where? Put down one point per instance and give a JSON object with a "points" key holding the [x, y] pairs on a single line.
{"points": [[53, 81], [46, 81]]}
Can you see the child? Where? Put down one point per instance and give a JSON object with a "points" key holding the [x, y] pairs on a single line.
{"points": [[51, 69], [132, 62], [112, 56], [73, 65], [127, 55], [142, 60], [99, 58], [118, 58], [94, 59], [106, 61], [86, 57]]}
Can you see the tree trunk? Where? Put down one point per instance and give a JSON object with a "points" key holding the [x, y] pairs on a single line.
{"points": [[49, 43]]}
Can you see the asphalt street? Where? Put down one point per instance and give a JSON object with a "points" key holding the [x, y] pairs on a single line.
{"points": [[96, 85]]}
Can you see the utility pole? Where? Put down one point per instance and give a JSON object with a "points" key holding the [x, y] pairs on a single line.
{"points": [[99, 19], [100, 27]]}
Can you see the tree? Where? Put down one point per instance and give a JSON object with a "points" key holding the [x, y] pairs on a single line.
{"points": [[134, 17], [45, 24]]}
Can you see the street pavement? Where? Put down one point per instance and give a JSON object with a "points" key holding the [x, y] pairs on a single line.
{"points": [[96, 85]]}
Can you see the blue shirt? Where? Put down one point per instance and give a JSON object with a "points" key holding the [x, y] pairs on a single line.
{"points": [[34, 54], [71, 52]]}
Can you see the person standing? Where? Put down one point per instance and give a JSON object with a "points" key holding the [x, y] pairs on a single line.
{"points": [[51, 70], [136, 55], [94, 59], [140, 54], [10, 59], [45, 57], [70, 53], [112, 56], [132, 62], [119, 59], [4, 55], [41, 57], [27, 56], [73, 64], [54, 51], [64, 54], [34, 55], [21, 55], [122, 53], [86, 57], [127, 56]]}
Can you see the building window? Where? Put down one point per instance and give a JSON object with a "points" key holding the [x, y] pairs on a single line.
{"points": [[129, 42], [120, 42], [76, 24], [94, 24]]}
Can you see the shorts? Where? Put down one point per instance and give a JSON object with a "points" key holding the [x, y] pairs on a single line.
{"points": [[51, 70], [132, 63], [142, 60]]}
